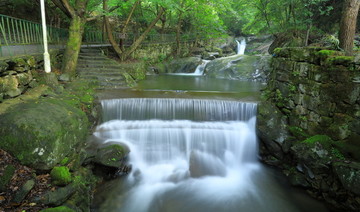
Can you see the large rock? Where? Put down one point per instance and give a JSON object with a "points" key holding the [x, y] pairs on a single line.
{"points": [[239, 67], [112, 154], [41, 133], [183, 65]]}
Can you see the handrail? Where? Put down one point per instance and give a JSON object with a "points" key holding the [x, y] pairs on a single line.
{"points": [[19, 36], [15, 31]]}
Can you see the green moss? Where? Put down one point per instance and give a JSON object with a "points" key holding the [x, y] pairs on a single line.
{"points": [[297, 132], [58, 209], [340, 60], [61, 175], [130, 81], [64, 161], [326, 53], [336, 152], [318, 138], [277, 51]]}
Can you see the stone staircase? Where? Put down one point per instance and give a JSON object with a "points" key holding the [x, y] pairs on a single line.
{"points": [[94, 65]]}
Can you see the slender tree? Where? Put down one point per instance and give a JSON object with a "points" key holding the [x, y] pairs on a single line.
{"points": [[348, 25], [77, 13]]}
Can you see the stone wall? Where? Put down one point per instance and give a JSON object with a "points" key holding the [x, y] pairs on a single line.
{"points": [[309, 122], [318, 90], [17, 74]]}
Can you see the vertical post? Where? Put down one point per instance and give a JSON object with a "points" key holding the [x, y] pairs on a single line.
{"points": [[46, 52]]}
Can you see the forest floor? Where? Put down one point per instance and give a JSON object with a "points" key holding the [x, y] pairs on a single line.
{"points": [[21, 175]]}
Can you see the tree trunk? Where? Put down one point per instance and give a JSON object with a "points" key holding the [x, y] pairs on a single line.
{"points": [[348, 25], [142, 37], [109, 32], [178, 34], [73, 45]]}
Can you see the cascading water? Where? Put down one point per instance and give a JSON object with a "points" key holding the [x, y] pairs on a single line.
{"points": [[200, 68], [189, 155], [241, 46], [199, 71]]}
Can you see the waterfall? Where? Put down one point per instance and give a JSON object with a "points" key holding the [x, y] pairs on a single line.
{"points": [[188, 155], [241, 46], [200, 68], [199, 71]]}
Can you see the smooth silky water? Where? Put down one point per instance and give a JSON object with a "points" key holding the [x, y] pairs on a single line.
{"points": [[191, 155]]}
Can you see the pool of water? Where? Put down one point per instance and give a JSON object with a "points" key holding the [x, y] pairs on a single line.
{"points": [[177, 86]]}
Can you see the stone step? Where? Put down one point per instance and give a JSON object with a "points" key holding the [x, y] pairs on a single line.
{"points": [[105, 75], [100, 70], [98, 57], [108, 66], [90, 50], [85, 61], [116, 79]]}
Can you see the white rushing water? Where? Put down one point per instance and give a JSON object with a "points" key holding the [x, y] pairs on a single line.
{"points": [[241, 46], [199, 71], [186, 165]]}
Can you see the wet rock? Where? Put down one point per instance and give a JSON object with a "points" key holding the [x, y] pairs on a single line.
{"points": [[298, 179], [240, 67], [272, 128], [24, 190], [65, 77], [57, 197], [112, 154], [203, 164], [349, 175], [183, 65], [6, 177]]}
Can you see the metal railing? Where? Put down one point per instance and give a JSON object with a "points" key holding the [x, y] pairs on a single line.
{"points": [[26, 35], [14, 31]]}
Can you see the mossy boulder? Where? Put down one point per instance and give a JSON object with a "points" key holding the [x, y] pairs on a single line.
{"points": [[240, 67], [61, 175], [40, 133], [183, 65], [112, 154]]}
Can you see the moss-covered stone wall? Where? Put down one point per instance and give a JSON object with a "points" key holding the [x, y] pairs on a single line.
{"points": [[318, 91], [17, 73], [309, 122]]}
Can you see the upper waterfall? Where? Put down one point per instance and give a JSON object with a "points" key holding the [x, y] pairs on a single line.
{"points": [[241, 46]]}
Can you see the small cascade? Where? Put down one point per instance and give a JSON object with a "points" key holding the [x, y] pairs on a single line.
{"points": [[177, 109], [199, 71], [241, 46], [201, 68]]}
